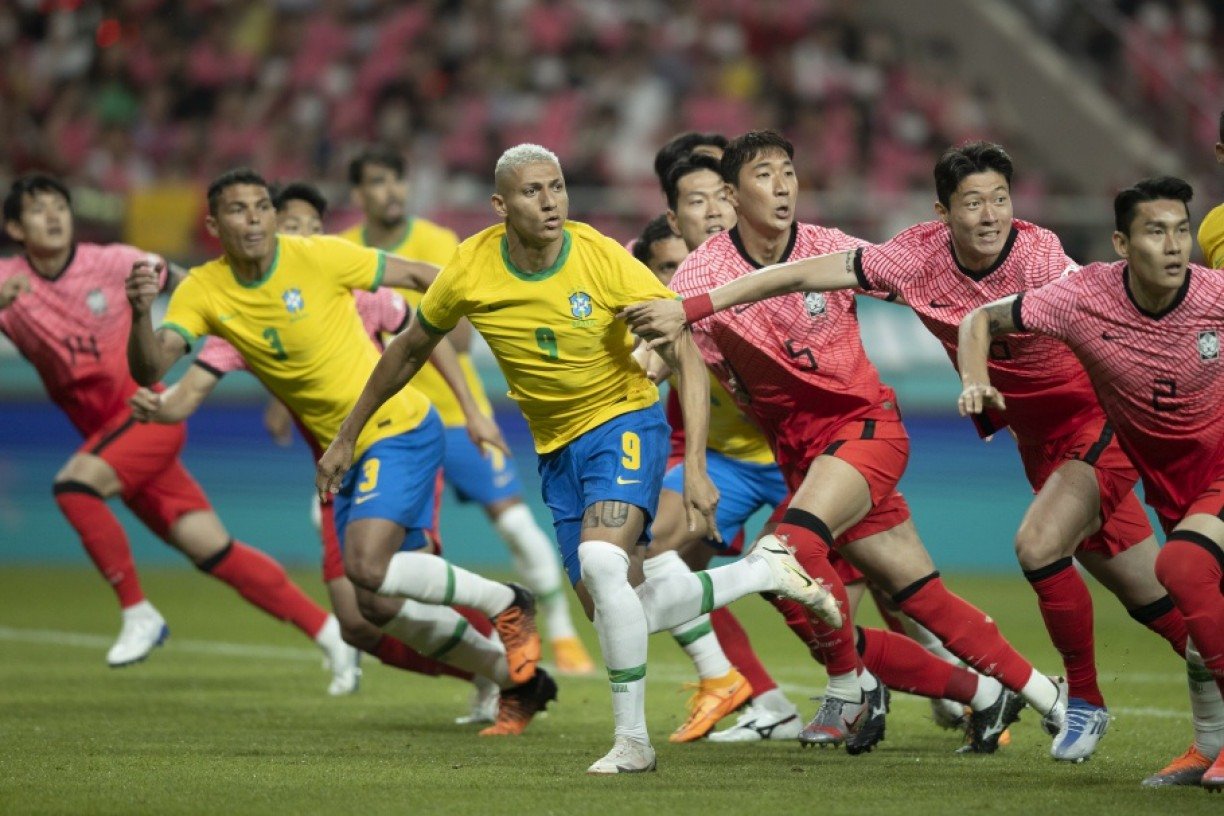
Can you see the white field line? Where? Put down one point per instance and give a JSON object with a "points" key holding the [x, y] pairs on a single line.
{"points": [[215, 648]]}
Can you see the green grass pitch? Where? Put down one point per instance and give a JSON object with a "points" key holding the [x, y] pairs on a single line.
{"points": [[231, 716]]}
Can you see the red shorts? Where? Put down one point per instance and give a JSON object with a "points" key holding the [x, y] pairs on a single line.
{"points": [[333, 559], [1123, 520], [1210, 502], [155, 484]]}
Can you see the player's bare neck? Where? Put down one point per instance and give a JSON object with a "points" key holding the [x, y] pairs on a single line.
{"points": [[532, 257], [1152, 300], [50, 264], [971, 261], [765, 247], [251, 270]]}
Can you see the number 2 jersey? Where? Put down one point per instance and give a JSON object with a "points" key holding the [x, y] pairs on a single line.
{"points": [[1158, 376], [567, 359], [74, 329], [299, 331]]}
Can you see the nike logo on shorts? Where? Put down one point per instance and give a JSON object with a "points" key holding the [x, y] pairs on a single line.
{"points": [[364, 499], [621, 480]]}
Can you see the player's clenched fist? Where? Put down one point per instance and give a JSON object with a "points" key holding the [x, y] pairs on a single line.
{"points": [[145, 404], [143, 284], [659, 321], [333, 464], [977, 397], [11, 288]]}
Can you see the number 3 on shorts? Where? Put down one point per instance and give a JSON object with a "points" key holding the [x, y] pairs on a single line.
{"points": [[369, 476], [631, 444]]}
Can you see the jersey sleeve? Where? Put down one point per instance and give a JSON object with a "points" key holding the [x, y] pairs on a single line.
{"points": [[1211, 238], [1050, 261], [1049, 309], [218, 358], [353, 266], [188, 312], [382, 312], [445, 301], [631, 282]]}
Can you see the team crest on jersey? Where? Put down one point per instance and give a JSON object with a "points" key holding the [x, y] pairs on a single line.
{"points": [[293, 300], [96, 301], [580, 305], [815, 304], [1208, 346]]}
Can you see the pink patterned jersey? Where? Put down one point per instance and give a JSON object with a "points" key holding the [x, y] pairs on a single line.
{"points": [[1048, 394], [382, 312], [795, 362], [74, 329], [1158, 376]]}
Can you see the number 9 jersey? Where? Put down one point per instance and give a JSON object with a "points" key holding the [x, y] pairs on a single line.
{"points": [[299, 331], [554, 333]]}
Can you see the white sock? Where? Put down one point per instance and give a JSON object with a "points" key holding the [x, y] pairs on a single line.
{"points": [[140, 609], [443, 634], [988, 690], [536, 561], [845, 687], [867, 681], [1206, 705], [696, 637], [774, 700], [1040, 692], [329, 635], [679, 597], [620, 623], [433, 580]]}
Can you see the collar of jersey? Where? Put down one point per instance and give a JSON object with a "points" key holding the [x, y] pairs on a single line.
{"points": [[738, 242], [397, 243], [62, 269], [258, 282], [1004, 254], [543, 274], [1177, 299]]}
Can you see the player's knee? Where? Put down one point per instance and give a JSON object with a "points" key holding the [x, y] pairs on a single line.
{"points": [[365, 570], [89, 472], [603, 564], [1037, 544], [359, 632], [1183, 563]]}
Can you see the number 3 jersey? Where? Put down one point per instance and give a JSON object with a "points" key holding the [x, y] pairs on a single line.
{"points": [[795, 362], [566, 357], [1158, 376], [299, 331], [74, 329]]}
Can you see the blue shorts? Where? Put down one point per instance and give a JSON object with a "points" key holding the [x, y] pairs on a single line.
{"points": [[484, 477], [395, 479], [621, 460], [743, 489]]}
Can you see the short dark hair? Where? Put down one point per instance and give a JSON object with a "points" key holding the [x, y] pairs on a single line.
{"points": [[30, 184], [1158, 188], [380, 156], [680, 146], [231, 178], [657, 229], [300, 191], [687, 165], [972, 157], [744, 148]]}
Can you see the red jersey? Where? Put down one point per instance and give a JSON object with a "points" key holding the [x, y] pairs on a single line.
{"points": [[74, 329], [1048, 394], [1158, 376], [796, 362], [382, 312]]}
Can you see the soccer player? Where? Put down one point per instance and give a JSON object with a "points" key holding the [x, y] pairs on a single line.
{"points": [[660, 249], [1147, 331], [61, 305], [286, 305], [378, 177], [1211, 231], [798, 366], [543, 291], [685, 144], [1085, 508], [300, 208]]}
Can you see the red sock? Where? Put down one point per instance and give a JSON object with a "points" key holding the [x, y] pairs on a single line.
{"points": [[810, 538], [103, 538], [900, 663], [967, 632], [479, 620], [799, 620], [393, 653], [1162, 617], [736, 646], [1189, 567], [1066, 608], [263, 582]]}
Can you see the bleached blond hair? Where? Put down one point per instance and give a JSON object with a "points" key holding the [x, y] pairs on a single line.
{"points": [[518, 156]]}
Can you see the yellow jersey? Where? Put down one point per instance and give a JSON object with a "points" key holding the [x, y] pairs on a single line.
{"points": [[731, 433], [565, 356], [1211, 237], [299, 331], [426, 241]]}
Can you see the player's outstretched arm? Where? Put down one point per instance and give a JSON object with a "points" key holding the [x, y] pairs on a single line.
{"points": [[700, 494], [177, 402], [402, 359], [978, 328], [402, 273], [11, 289], [150, 354], [481, 429], [661, 320]]}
